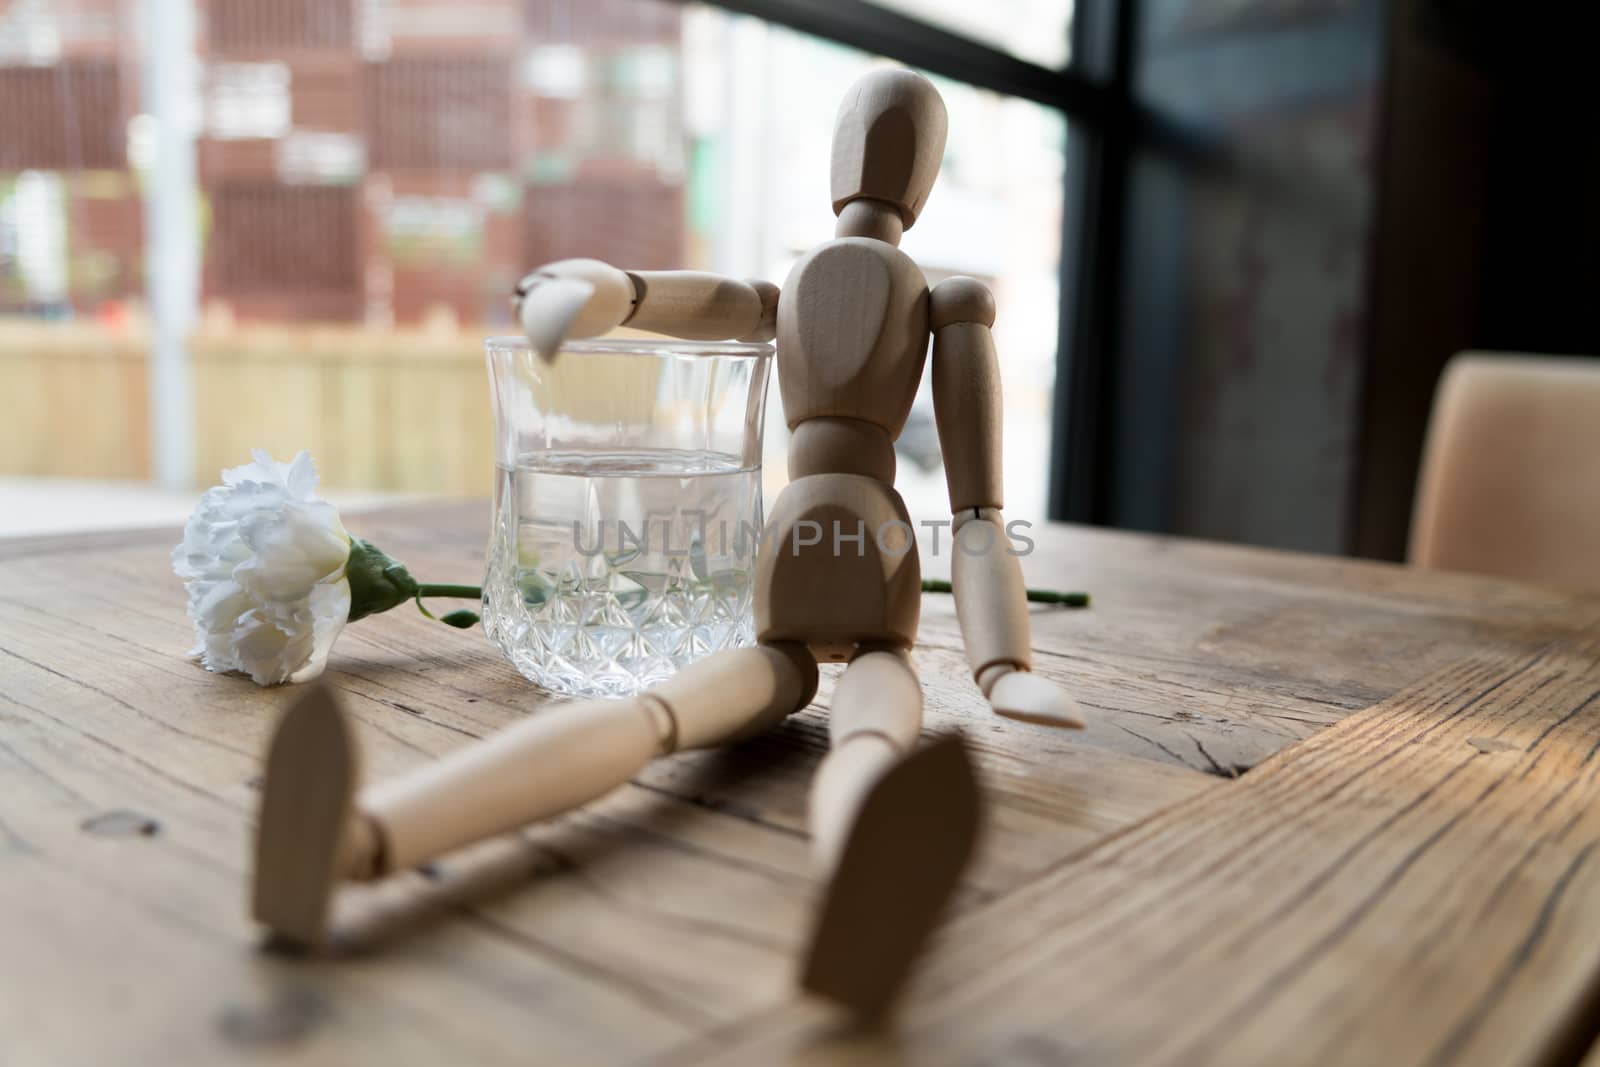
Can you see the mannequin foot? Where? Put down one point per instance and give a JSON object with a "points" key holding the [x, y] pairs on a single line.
{"points": [[306, 805], [910, 841]]}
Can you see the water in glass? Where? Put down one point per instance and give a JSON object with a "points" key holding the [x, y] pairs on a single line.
{"points": [[609, 572]]}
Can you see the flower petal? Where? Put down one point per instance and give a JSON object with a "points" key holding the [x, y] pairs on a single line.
{"points": [[330, 607], [294, 549], [263, 562]]}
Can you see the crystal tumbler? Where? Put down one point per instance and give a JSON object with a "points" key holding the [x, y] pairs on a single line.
{"points": [[627, 507]]}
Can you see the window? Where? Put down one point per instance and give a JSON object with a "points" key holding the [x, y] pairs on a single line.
{"points": [[371, 176], [1039, 31]]}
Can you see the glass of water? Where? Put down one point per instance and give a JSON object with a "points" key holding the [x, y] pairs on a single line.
{"points": [[627, 507]]}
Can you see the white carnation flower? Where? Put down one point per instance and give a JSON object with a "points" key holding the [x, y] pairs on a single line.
{"points": [[272, 575], [264, 562]]}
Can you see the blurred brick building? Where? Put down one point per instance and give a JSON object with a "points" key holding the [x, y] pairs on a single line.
{"points": [[359, 160]]}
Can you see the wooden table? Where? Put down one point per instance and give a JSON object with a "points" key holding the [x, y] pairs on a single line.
{"points": [[1327, 812]]}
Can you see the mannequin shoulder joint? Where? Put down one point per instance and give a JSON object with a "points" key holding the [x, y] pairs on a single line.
{"points": [[960, 299]]}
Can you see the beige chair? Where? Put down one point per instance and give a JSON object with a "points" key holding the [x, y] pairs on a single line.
{"points": [[1510, 481]]}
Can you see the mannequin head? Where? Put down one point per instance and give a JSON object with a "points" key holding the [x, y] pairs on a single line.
{"points": [[887, 143]]}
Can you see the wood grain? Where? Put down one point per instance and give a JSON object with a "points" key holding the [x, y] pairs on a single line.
{"points": [[668, 915], [1419, 884], [1215, 657], [852, 333], [888, 141], [694, 304], [677, 904]]}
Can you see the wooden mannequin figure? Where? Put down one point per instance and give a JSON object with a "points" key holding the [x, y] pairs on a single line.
{"points": [[837, 578]]}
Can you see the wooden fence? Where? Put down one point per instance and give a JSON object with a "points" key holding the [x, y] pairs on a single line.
{"points": [[401, 410]]}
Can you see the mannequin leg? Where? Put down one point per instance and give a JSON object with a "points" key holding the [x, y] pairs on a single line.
{"points": [[893, 826], [313, 833], [875, 719]]}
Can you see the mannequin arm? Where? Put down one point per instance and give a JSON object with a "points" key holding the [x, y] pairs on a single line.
{"points": [[703, 307], [585, 298], [991, 600]]}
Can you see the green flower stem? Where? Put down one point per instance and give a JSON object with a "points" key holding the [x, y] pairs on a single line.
{"points": [[1037, 596], [465, 592], [379, 582], [929, 585], [461, 620]]}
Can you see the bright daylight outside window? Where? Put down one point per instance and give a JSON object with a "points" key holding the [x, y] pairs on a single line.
{"points": [[1039, 31], [372, 176]]}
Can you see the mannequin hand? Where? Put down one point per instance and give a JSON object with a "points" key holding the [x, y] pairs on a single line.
{"points": [[1026, 696], [571, 298]]}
